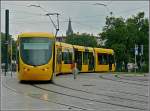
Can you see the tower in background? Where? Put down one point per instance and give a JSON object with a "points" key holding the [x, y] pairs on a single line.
{"points": [[69, 31]]}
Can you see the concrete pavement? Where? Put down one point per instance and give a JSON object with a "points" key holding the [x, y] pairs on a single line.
{"points": [[90, 91]]}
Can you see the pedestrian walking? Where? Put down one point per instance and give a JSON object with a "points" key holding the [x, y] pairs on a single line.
{"points": [[74, 70]]}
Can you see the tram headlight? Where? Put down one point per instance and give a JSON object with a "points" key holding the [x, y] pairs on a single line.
{"points": [[45, 69], [25, 69]]}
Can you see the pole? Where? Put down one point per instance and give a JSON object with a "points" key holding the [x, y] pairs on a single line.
{"points": [[11, 55], [54, 62], [141, 54], [6, 38], [105, 7], [54, 53], [135, 57]]}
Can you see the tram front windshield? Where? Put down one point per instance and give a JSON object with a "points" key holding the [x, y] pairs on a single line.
{"points": [[36, 51]]}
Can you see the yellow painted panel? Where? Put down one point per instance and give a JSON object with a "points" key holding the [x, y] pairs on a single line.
{"points": [[102, 68], [102, 50], [113, 67], [84, 68], [58, 68], [79, 48], [66, 45], [66, 68], [90, 49]]}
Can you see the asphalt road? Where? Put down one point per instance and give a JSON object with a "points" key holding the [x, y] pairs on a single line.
{"points": [[89, 91]]}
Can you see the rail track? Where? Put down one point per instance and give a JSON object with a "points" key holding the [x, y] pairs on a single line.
{"points": [[59, 85], [127, 82], [105, 78], [138, 80], [84, 98], [60, 103], [121, 81], [92, 100], [123, 92]]}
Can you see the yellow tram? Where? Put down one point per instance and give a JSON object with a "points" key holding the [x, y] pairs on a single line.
{"points": [[35, 56], [38, 57]]}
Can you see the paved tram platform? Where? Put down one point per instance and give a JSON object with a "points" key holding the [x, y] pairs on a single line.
{"points": [[89, 91]]}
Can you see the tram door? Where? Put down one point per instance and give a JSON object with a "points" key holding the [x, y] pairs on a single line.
{"points": [[110, 60], [78, 59], [91, 61], [59, 60]]}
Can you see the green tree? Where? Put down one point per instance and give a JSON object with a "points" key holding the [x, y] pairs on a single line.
{"points": [[83, 40], [3, 49], [122, 35], [114, 33], [138, 33]]}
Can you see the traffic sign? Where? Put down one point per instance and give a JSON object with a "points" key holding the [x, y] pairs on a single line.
{"points": [[136, 51]]}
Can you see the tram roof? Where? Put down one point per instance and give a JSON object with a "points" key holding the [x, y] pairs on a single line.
{"points": [[103, 50], [62, 44], [66, 45], [36, 34], [83, 48], [79, 48]]}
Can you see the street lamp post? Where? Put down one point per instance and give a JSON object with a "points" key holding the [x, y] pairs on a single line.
{"points": [[101, 4], [6, 39]]}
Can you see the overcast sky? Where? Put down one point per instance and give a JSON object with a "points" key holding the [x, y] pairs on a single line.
{"points": [[85, 16]]}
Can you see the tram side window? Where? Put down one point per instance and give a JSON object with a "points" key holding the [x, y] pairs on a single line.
{"points": [[85, 58], [67, 57], [102, 59]]}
